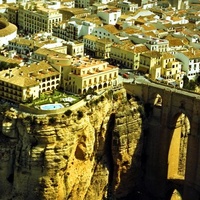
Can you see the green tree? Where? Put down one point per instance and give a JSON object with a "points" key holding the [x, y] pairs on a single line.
{"points": [[185, 81], [80, 114], [68, 113], [198, 81]]}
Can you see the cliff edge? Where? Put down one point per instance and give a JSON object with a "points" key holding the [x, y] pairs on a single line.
{"points": [[90, 153]]}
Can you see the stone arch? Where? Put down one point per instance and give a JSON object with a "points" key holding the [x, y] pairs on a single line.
{"points": [[100, 86], [90, 90], [95, 88], [79, 91], [177, 152], [84, 91], [105, 85]]}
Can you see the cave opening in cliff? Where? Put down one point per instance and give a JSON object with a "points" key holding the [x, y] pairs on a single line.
{"points": [[178, 150]]}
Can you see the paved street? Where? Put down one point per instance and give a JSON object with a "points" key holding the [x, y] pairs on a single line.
{"points": [[132, 77]]}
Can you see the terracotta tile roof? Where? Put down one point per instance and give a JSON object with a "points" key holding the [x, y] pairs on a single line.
{"points": [[75, 11], [111, 28], [129, 46], [49, 52], [166, 55], [192, 53], [90, 37], [148, 27], [15, 78], [9, 60], [27, 76], [150, 33], [140, 48], [175, 42], [6, 28], [153, 54], [131, 30], [104, 41]]}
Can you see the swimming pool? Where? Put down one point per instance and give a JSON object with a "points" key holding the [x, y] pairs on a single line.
{"points": [[52, 106]]}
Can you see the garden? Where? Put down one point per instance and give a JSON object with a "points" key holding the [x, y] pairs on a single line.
{"points": [[56, 96]]}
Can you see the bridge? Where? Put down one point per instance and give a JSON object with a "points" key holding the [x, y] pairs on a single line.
{"points": [[172, 140]]}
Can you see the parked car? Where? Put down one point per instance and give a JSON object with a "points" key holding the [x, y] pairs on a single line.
{"points": [[125, 75]]}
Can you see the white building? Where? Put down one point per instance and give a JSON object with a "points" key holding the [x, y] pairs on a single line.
{"points": [[104, 1], [69, 3], [153, 44], [73, 29], [8, 32], [109, 16], [191, 62], [127, 6], [110, 32]]}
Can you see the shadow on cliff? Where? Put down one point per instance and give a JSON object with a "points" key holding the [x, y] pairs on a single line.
{"points": [[125, 179]]}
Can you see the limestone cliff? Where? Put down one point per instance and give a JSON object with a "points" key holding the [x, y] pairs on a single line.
{"points": [[93, 152]]}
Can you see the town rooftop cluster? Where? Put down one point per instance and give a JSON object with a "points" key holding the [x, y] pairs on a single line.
{"points": [[78, 46]]}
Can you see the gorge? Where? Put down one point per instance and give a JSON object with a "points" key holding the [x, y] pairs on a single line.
{"points": [[94, 152], [135, 143]]}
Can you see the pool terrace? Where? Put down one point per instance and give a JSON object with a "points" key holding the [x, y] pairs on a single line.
{"points": [[57, 97]]}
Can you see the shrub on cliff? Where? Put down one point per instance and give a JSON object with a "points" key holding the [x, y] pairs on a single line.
{"points": [[52, 120], [68, 113], [79, 114]]}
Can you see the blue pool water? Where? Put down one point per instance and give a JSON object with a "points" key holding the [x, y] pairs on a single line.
{"points": [[53, 106]]}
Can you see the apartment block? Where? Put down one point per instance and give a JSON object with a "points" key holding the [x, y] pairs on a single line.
{"points": [[110, 32], [90, 44], [34, 18], [28, 82], [103, 48], [12, 14], [153, 44], [191, 62], [23, 46], [75, 48], [148, 60], [68, 13], [90, 74], [73, 30], [97, 47], [43, 54], [127, 54], [109, 16], [127, 6], [83, 3]]}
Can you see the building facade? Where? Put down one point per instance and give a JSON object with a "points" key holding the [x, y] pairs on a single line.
{"points": [[90, 75], [127, 54], [28, 82], [33, 18], [73, 30], [153, 44], [127, 6], [191, 62], [8, 31], [109, 16]]}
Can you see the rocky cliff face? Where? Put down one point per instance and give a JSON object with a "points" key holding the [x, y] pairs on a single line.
{"points": [[90, 153]]}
